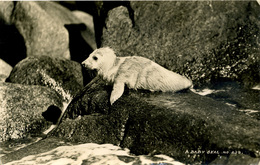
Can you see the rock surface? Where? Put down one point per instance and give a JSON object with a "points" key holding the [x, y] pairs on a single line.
{"points": [[207, 41], [42, 26], [87, 19], [5, 70], [21, 107], [57, 151], [62, 75], [160, 123], [233, 94], [6, 10]]}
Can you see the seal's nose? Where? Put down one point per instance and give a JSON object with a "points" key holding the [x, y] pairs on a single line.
{"points": [[83, 64]]}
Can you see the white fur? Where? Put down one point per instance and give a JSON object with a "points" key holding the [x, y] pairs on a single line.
{"points": [[136, 72]]}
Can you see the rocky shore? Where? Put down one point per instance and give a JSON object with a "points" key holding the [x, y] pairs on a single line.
{"points": [[215, 44]]}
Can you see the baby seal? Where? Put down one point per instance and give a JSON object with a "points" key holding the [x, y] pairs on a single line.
{"points": [[134, 71]]}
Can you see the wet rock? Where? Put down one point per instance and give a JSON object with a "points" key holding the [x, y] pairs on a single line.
{"points": [[205, 41], [42, 26], [57, 151], [62, 75], [185, 126], [5, 70], [235, 158], [21, 107], [233, 94], [33, 146]]}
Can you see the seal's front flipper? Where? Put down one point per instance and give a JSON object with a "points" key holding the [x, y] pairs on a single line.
{"points": [[117, 92]]}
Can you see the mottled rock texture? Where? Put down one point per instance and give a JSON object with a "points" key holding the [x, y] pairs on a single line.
{"points": [[207, 41], [62, 75], [159, 123], [21, 107]]}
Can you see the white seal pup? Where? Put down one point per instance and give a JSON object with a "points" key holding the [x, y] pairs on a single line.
{"points": [[134, 71]]}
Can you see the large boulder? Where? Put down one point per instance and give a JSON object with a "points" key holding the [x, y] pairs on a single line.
{"points": [[21, 107], [188, 127], [207, 41], [62, 75], [42, 26]]}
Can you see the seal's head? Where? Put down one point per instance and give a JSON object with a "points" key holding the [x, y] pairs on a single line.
{"points": [[101, 59]]}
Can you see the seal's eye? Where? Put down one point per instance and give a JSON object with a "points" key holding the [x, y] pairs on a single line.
{"points": [[95, 58]]}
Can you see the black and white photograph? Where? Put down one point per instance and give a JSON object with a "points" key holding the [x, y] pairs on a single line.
{"points": [[128, 82]]}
